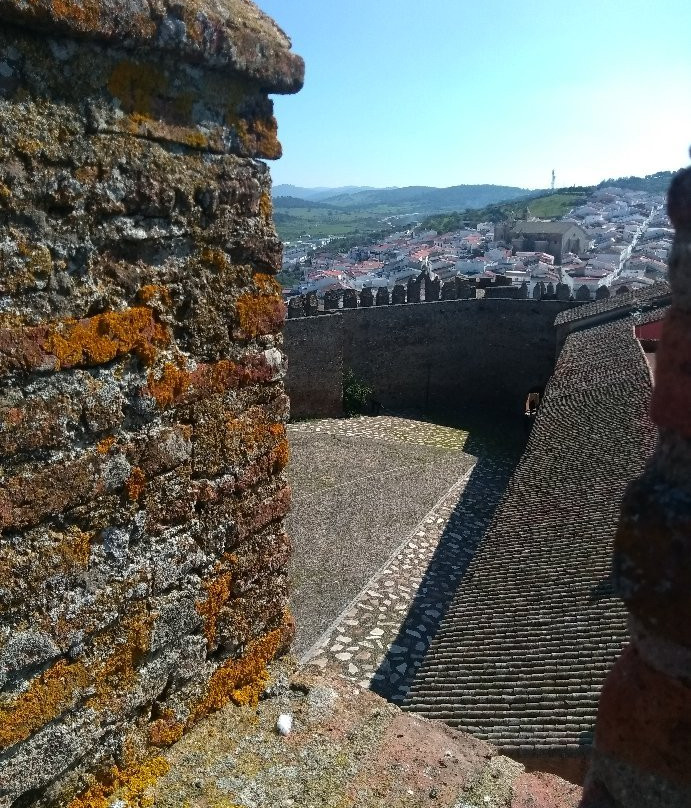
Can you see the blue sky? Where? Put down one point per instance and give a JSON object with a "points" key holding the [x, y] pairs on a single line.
{"points": [[445, 92]]}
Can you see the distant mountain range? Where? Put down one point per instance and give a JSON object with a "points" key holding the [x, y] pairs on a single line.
{"points": [[316, 194], [413, 199], [352, 211]]}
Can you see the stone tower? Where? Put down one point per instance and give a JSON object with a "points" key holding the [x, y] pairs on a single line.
{"points": [[142, 410]]}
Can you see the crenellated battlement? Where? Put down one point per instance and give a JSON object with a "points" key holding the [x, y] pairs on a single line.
{"points": [[428, 290]]}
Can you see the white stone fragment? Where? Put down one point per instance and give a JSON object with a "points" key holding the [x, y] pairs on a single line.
{"points": [[284, 725]]}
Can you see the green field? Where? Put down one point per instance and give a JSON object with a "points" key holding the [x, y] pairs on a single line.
{"points": [[554, 206], [547, 206], [316, 222]]}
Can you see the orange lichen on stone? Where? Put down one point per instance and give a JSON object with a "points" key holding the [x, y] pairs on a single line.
{"points": [[135, 483], [129, 786], [266, 206], [86, 13], [152, 292], [170, 387], [104, 446], [215, 258], [102, 338], [280, 456], [76, 547], [217, 595], [50, 694], [267, 283], [241, 680], [176, 385], [259, 314], [166, 730], [113, 677], [249, 437]]}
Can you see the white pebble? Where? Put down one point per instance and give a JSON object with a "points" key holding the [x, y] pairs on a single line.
{"points": [[284, 724]]}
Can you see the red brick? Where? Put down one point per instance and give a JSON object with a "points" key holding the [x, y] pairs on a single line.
{"points": [[671, 406]]}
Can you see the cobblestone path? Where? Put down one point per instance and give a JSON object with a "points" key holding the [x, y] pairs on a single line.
{"points": [[380, 639]]}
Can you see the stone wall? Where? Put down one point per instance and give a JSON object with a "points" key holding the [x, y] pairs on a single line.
{"points": [[642, 751], [142, 410], [451, 354], [314, 379]]}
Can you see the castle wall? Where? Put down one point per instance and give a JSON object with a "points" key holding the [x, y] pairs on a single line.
{"points": [[314, 380], [142, 552], [442, 355]]}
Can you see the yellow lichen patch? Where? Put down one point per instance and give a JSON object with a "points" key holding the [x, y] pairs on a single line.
{"points": [[196, 139], [267, 283], [265, 206], [36, 264], [135, 85], [260, 137], [115, 675], [53, 692], [248, 437], [28, 146], [5, 193], [166, 730], [170, 387], [37, 257], [215, 258], [86, 174], [131, 786], [135, 484], [217, 594], [76, 547], [241, 680], [104, 337], [259, 314]]}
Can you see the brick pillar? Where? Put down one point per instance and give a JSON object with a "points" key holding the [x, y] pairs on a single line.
{"points": [[143, 561], [642, 755]]}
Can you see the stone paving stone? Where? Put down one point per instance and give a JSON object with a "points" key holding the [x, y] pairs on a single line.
{"points": [[391, 623], [360, 486]]}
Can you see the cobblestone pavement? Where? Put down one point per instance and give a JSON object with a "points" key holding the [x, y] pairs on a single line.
{"points": [[380, 639], [390, 428], [360, 487]]}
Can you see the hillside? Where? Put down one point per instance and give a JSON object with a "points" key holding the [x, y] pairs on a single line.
{"points": [[424, 199], [652, 183], [315, 193], [363, 211], [544, 206], [287, 202]]}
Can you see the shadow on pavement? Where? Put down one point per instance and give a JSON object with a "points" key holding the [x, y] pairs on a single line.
{"points": [[498, 451]]}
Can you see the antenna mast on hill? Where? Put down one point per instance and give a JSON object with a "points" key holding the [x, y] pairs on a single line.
{"points": [[554, 178]]}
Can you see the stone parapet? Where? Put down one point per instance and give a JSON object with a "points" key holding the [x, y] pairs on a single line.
{"points": [[143, 559]]}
